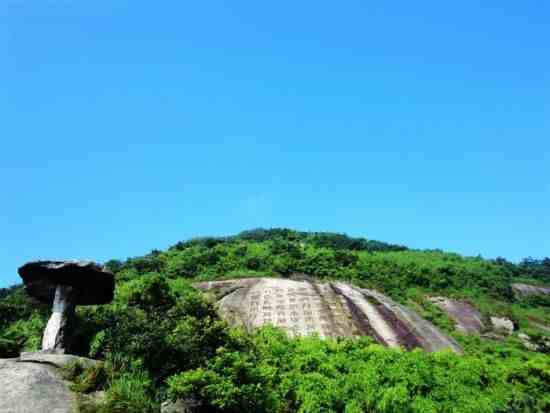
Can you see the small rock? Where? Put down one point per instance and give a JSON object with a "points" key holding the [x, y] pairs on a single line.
{"points": [[492, 336], [179, 406]]}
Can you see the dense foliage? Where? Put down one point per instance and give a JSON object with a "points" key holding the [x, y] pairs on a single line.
{"points": [[161, 339], [271, 373]]}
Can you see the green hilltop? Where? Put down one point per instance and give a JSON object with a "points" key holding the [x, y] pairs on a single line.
{"points": [[161, 339]]}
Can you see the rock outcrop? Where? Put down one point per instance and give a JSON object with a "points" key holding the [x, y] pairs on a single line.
{"points": [[466, 317], [524, 290], [334, 309], [32, 383]]}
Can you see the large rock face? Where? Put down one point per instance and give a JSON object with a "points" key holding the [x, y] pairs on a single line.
{"points": [[32, 384], [334, 309], [524, 290]]}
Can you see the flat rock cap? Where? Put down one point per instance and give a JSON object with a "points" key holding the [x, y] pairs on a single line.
{"points": [[93, 284]]}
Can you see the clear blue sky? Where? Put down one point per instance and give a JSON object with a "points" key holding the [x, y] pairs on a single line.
{"points": [[127, 126]]}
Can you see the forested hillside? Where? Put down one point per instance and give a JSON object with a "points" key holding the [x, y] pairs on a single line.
{"points": [[161, 339]]}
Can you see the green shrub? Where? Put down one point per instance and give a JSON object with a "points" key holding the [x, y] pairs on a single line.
{"points": [[271, 373], [27, 333], [131, 392], [86, 379], [9, 348]]}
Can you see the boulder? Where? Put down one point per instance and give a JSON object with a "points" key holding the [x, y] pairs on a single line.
{"points": [[467, 317], [502, 325], [333, 309], [33, 383]]}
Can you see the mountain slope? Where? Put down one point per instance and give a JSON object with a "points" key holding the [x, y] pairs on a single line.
{"points": [[162, 338]]}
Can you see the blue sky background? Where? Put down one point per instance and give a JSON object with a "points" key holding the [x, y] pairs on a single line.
{"points": [[127, 126]]}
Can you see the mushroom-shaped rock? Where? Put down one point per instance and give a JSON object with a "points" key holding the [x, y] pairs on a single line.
{"points": [[66, 284]]}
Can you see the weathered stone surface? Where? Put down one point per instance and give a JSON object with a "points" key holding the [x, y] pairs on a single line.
{"points": [[57, 329], [502, 325], [524, 290], [334, 309], [179, 406], [34, 387], [93, 284], [54, 359], [467, 317]]}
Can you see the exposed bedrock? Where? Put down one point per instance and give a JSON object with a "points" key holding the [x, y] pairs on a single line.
{"points": [[524, 290], [466, 317], [334, 309]]}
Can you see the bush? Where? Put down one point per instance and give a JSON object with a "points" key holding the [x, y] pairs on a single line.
{"points": [[9, 348], [132, 392], [165, 327], [271, 373], [86, 379]]}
